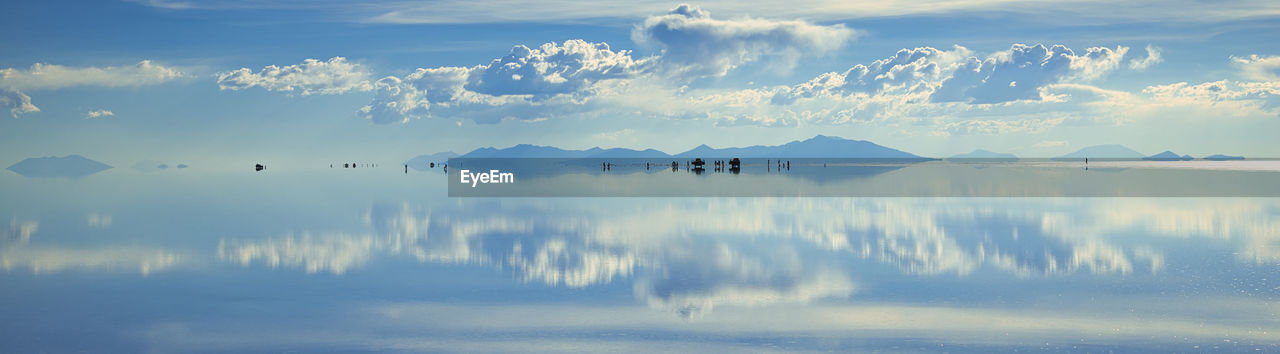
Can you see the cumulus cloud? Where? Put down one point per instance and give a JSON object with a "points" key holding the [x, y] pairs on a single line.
{"points": [[1214, 91], [335, 76], [97, 113], [955, 75], [1020, 72], [1257, 96], [17, 102], [527, 84], [50, 76], [1260, 68], [41, 76], [907, 71], [914, 84], [1153, 58], [694, 44], [960, 92]]}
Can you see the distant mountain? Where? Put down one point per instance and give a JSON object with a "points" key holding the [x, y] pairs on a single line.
{"points": [[1109, 151], [1221, 157], [423, 162], [986, 155], [1167, 156], [539, 151], [627, 153], [524, 150], [70, 166], [816, 147]]}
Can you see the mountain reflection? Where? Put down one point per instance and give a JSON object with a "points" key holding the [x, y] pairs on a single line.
{"points": [[687, 256]]}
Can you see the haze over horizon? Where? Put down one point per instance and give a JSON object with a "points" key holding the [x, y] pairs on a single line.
{"points": [[214, 82]]}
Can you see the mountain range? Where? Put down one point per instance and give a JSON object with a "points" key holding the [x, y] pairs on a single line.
{"points": [[1168, 156], [1108, 151], [820, 146], [981, 154]]}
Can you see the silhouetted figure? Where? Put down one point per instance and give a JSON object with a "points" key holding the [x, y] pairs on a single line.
{"points": [[406, 169], [258, 167], [788, 165]]}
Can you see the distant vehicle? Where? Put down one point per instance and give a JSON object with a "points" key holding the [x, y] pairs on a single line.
{"points": [[258, 167]]}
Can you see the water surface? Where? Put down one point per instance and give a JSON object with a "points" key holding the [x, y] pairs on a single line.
{"points": [[375, 259]]}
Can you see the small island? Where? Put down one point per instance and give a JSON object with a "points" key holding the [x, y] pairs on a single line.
{"points": [[70, 166], [1221, 157]]}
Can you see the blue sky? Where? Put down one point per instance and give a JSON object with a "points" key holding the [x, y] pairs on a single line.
{"points": [[223, 81]]}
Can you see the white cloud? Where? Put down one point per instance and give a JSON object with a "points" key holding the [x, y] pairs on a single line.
{"points": [[1214, 91], [98, 113], [1067, 13], [17, 102], [1050, 144], [1153, 58], [991, 126], [335, 76], [1026, 89], [527, 84], [613, 135], [1260, 68], [694, 44], [1020, 72], [964, 92], [42, 76]]}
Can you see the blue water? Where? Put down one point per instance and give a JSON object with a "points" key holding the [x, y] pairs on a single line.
{"points": [[376, 259]]}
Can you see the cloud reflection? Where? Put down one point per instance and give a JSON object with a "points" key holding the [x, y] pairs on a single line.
{"points": [[688, 256], [17, 252]]}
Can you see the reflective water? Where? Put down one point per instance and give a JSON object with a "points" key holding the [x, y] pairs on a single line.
{"points": [[374, 259], [593, 177]]}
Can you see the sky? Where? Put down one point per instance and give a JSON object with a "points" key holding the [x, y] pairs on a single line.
{"points": [[223, 82]]}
